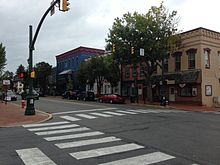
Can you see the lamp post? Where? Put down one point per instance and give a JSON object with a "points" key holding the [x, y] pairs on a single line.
{"points": [[30, 109]]}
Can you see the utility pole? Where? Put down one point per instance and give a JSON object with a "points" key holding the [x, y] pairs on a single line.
{"points": [[30, 109]]}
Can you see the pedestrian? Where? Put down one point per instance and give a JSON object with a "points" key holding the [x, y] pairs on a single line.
{"points": [[3, 96]]}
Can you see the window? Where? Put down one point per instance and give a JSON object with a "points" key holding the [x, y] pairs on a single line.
{"points": [[191, 58], [127, 71], [219, 59], [165, 65], [177, 62], [188, 91], [142, 68], [134, 72], [207, 58]]}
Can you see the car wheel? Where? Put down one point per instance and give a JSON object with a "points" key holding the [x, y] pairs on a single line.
{"points": [[111, 101], [100, 100], [84, 99]]}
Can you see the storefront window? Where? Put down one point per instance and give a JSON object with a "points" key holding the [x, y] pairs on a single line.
{"points": [[188, 91]]}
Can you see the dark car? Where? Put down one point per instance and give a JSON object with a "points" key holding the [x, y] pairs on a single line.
{"points": [[111, 98], [86, 96], [70, 95]]}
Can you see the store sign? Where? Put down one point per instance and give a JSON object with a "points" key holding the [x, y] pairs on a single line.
{"points": [[6, 82]]}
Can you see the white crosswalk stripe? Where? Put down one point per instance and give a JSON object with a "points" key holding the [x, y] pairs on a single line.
{"points": [[146, 159], [34, 156], [105, 151], [54, 127], [45, 124], [127, 112], [101, 114], [114, 113], [86, 116], [87, 142], [62, 131], [70, 118]]}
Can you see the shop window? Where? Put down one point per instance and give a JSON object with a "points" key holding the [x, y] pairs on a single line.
{"points": [[188, 91], [207, 58]]}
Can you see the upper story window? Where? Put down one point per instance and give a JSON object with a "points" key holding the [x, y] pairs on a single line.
{"points": [[142, 68], [219, 59], [207, 57], [165, 65], [127, 71], [191, 58], [134, 71], [177, 56]]}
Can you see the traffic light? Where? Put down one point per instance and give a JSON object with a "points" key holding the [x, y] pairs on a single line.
{"points": [[21, 75], [113, 48], [66, 5], [132, 50], [33, 75]]}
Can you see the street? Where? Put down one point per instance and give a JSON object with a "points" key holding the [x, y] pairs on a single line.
{"points": [[90, 133]]}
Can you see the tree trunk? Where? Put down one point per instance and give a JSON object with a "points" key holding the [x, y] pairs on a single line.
{"points": [[149, 92]]}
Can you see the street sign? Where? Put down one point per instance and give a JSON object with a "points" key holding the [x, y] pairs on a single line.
{"points": [[141, 52], [6, 82]]}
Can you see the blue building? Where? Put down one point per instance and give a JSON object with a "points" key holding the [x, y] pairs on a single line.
{"points": [[68, 64]]}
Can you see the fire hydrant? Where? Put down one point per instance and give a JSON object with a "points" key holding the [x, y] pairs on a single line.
{"points": [[22, 103]]}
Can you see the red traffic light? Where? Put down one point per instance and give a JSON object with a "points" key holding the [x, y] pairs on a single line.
{"points": [[21, 75]]}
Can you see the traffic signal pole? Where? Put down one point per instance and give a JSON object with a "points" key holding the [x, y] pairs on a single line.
{"points": [[30, 109]]}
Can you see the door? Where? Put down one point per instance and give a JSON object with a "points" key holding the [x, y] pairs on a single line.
{"points": [[172, 94]]}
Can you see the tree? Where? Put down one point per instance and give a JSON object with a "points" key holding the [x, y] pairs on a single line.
{"points": [[43, 70], [155, 32], [113, 75], [2, 58]]}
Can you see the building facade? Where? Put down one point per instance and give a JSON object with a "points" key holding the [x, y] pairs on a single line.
{"points": [[191, 74], [68, 64]]}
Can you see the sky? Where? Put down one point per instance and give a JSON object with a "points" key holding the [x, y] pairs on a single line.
{"points": [[87, 23]]}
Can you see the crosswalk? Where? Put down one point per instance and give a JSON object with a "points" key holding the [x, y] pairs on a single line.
{"points": [[106, 113], [76, 138]]}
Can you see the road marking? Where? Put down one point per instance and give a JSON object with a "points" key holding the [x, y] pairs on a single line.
{"points": [[73, 136], [62, 131], [87, 142], [70, 118], [34, 156], [127, 112], [45, 124], [86, 110], [146, 159], [86, 116], [54, 127], [101, 114], [105, 151], [114, 113]]}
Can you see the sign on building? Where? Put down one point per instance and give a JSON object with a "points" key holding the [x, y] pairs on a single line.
{"points": [[6, 82]]}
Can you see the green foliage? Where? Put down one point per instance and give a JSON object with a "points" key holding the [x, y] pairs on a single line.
{"points": [[2, 58], [43, 70]]}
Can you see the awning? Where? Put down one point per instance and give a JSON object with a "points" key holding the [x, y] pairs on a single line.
{"points": [[69, 71]]}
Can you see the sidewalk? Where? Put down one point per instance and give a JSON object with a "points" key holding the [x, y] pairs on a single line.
{"points": [[12, 115]]}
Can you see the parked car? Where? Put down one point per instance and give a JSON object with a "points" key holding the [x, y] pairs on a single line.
{"points": [[10, 96], [111, 98], [86, 96], [70, 94]]}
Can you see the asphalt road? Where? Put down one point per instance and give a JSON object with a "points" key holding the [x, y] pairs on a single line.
{"points": [[89, 133]]}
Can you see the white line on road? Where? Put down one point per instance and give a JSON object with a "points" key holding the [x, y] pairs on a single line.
{"points": [[87, 142], [45, 124], [80, 111], [101, 114], [127, 112], [70, 118], [34, 156], [73, 136], [114, 113], [62, 131], [86, 116], [105, 151], [146, 159], [54, 127]]}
